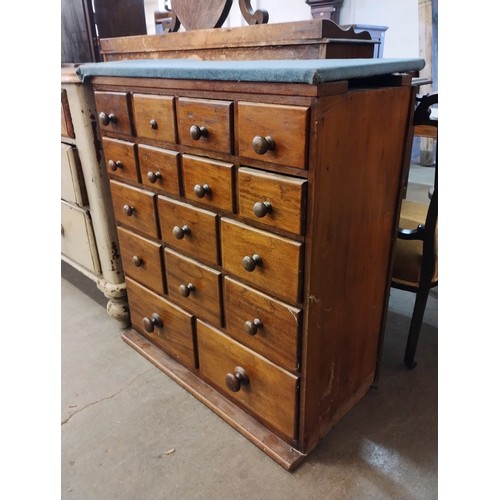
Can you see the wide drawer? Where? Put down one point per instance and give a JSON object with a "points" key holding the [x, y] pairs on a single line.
{"points": [[188, 229], [205, 124], [270, 262], [159, 168], [120, 158], [134, 208], [154, 117], [209, 182], [261, 387], [113, 112], [272, 199], [273, 133], [262, 323], [72, 181], [165, 324], [142, 259], [194, 286]]}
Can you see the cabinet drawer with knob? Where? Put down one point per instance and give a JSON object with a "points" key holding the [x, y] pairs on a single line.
{"points": [[262, 323], [142, 259], [154, 117], [162, 322], [113, 112], [120, 158], [194, 286], [159, 168], [258, 385], [188, 229], [273, 133], [134, 208], [270, 262], [205, 124], [275, 200]]}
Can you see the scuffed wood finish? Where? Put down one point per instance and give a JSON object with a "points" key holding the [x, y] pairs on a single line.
{"points": [[154, 117], [271, 393], [66, 122], [120, 158], [118, 105], [159, 168]]}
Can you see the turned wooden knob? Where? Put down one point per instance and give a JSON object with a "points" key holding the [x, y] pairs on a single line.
{"points": [[251, 327], [250, 263], [153, 176], [128, 210], [198, 132], [185, 290], [153, 124], [138, 262], [149, 324], [201, 191], [235, 380], [179, 232], [261, 145], [114, 165], [105, 119], [262, 208]]}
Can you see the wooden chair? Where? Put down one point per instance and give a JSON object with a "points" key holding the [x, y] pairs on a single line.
{"points": [[415, 265]]}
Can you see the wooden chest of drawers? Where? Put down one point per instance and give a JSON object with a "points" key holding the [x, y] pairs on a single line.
{"points": [[256, 224]]}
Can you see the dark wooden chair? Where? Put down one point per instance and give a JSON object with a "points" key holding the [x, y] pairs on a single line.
{"points": [[415, 266]]}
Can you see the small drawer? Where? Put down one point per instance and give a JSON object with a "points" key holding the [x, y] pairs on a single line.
{"points": [[273, 133], [134, 208], [194, 286], [113, 112], [72, 182], [205, 124], [165, 324], [261, 387], [142, 259], [270, 262], [67, 129], [188, 229], [159, 168], [120, 158], [272, 199], [154, 117], [262, 323], [209, 182]]}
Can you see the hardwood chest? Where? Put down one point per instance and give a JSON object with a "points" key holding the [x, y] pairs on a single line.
{"points": [[256, 208]]}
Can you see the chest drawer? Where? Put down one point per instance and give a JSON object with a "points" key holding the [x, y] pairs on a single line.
{"points": [[134, 208], [262, 323], [120, 158], [141, 259], [162, 322], [72, 182], [272, 199], [159, 168], [206, 124], [113, 112], [209, 182], [188, 229], [273, 133], [194, 286], [154, 117], [270, 262], [261, 387]]}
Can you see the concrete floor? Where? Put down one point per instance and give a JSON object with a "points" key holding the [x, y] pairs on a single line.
{"points": [[130, 433]]}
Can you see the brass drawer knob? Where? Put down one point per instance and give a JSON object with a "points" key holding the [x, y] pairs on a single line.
{"points": [[250, 263], [153, 176], [261, 145], [251, 327], [149, 324], [198, 132], [128, 210], [185, 290], [138, 262], [201, 191], [262, 208], [235, 380], [153, 124], [180, 232], [105, 119], [114, 165]]}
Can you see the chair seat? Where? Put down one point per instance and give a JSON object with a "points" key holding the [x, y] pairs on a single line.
{"points": [[408, 254]]}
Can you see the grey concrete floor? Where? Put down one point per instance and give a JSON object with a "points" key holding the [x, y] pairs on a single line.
{"points": [[129, 432]]}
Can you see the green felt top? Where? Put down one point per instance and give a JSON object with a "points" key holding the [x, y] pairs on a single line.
{"points": [[310, 71]]}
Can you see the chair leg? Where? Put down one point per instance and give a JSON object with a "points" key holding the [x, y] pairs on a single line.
{"points": [[415, 326]]}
